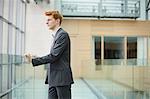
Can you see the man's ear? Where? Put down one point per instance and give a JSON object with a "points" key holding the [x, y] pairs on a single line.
{"points": [[58, 21]]}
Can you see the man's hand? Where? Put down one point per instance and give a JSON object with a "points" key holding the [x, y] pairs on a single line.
{"points": [[28, 57]]}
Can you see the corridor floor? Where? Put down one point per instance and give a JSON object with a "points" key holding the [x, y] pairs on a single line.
{"points": [[81, 89], [36, 89]]}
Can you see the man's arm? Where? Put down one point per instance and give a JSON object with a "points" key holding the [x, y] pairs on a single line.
{"points": [[57, 50]]}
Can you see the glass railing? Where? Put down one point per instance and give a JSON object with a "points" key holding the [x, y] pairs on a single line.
{"points": [[118, 79], [100, 8], [107, 79], [14, 71]]}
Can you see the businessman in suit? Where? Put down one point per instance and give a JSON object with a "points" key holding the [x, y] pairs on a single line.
{"points": [[59, 73]]}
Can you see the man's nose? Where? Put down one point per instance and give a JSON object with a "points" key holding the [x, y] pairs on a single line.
{"points": [[46, 22]]}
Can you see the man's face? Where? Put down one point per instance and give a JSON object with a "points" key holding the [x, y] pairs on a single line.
{"points": [[51, 23]]}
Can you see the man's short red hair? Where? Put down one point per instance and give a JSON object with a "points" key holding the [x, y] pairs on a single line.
{"points": [[55, 14]]}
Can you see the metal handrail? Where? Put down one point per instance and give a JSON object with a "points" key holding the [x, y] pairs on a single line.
{"points": [[101, 9]]}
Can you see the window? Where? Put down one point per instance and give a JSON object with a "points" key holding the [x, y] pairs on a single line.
{"points": [[113, 50], [11, 42], [97, 48], [97, 44], [131, 50], [113, 47], [131, 47]]}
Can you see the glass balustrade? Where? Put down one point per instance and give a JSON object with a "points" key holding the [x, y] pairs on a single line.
{"points": [[118, 78], [14, 71], [100, 8]]}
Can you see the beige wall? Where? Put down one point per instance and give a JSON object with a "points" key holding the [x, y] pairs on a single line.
{"points": [[81, 32]]}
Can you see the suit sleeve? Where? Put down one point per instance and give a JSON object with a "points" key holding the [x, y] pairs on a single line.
{"points": [[58, 48]]}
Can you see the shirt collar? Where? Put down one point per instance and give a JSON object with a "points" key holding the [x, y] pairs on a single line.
{"points": [[55, 31]]}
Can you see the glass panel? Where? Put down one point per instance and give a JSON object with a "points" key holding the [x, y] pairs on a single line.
{"points": [[11, 2], [1, 7], [13, 41], [5, 38], [18, 73], [10, 35], [1, 35], [14, 12], [13, 75], [4, 77], [23, 17], [18, 13], [18, 43], [6, 9], [5, 59], [110, 82], [12, 46]]}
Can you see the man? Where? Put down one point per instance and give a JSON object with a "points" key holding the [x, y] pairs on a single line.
{"points": [[59, 74]]}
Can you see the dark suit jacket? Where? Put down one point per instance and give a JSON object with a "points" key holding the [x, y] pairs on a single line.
{"points": [[59, 71]]}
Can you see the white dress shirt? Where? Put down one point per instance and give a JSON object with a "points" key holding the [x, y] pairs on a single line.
{"points": [[53, 36]]}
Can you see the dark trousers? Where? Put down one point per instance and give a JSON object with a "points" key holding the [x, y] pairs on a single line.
{"points": [[59, 92]]}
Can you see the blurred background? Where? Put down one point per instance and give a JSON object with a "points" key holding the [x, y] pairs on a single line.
{"points": [[110, 47]]}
